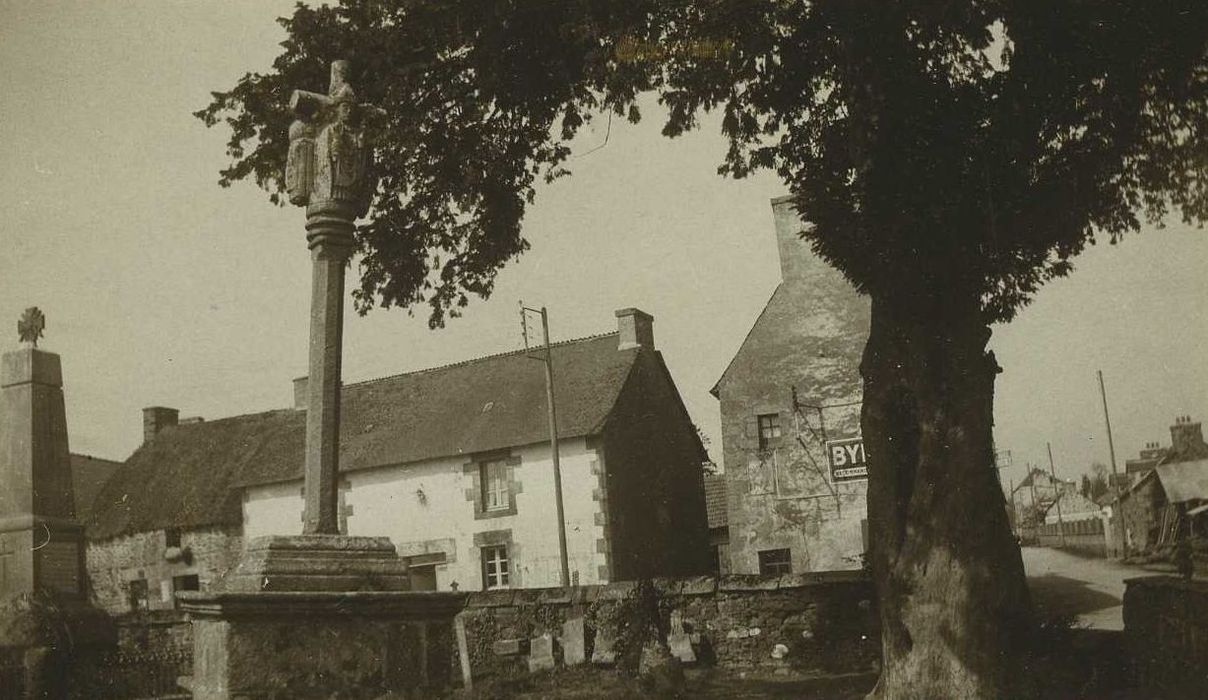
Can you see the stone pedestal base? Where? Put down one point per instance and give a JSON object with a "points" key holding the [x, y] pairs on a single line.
{"points": [[315, 646], [318, 616]]}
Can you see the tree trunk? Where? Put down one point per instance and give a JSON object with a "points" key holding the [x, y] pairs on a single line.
{"points": [[954, 604]]}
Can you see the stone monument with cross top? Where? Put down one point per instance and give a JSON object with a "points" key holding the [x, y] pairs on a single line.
{"points": [[41, 543]]}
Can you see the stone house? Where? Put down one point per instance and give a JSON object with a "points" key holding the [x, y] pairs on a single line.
{"points": [[793, 386], [1072, 506], [1167, 495], [1033, 497], [452, 463]]}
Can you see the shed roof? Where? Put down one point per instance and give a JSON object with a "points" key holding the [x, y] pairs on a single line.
{"points": [[189, 475], [1184, 481]]}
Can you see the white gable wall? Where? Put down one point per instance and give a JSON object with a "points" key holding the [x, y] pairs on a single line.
{"points": [[387, 501]]}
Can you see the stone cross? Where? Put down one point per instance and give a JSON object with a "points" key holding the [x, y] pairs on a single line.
{"points": [[328, 172]]}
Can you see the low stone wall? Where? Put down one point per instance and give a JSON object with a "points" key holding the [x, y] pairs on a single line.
{"points": [[153, 650], [810, 624], [1166, 630]]}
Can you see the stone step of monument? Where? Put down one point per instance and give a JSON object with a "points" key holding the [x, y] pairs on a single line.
{"points": [[312, 563]]}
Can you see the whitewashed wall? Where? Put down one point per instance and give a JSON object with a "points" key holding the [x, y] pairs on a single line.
{"points": [[387, 501]]}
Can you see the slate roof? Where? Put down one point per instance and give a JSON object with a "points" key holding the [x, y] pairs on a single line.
{"points": [[715, 500], [189, 476]]}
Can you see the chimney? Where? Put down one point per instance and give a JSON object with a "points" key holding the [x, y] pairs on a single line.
{"points": [[156, 419], [301, 384], [636, 328], [1185, 435]]}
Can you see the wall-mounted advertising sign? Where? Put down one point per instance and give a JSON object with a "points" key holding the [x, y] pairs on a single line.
{"points": [[847, 459]]}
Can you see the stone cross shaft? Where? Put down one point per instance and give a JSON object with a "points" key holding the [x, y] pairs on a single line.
{"points": [[328, 172]]}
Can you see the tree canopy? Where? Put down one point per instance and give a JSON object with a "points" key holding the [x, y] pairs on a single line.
{"points": [[977, 145]]}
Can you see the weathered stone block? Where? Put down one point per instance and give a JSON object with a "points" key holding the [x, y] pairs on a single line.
{"points": [[617, 591], [510, 647], [604, 651], [554, 596], [541, 653], [748, 582], [574, 643], [698, 585]]}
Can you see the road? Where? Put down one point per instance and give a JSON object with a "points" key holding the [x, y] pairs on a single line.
{"points": [[1092, 589]]}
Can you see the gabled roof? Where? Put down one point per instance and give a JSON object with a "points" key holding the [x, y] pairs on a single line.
{"points": [[190, 475], [715, 500], [88, 477]]}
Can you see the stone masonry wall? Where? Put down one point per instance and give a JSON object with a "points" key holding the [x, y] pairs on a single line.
{"points": [[794, 623], [115, 563], [799, 365], [1166, 630]]}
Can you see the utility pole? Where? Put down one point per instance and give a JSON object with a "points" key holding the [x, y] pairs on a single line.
{"points": [[1111, 448], [1056, 485], [547, 357]]}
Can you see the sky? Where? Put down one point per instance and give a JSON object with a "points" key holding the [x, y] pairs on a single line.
{"points": [[162, 288]]}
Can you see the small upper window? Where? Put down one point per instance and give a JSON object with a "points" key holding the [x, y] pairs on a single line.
{"points": [[775, 561], [496, 494], [172, 537], [495, 567], [769, 430]]}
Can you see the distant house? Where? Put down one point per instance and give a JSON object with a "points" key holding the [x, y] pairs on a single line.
{"points": [[794, 385], [1072, 506], [1169, 495], [452, 463], [1036, 494]]}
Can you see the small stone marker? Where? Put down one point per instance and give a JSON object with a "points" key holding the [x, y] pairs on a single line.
{"points": [[574, 647], [678, 640], [604, 652], [541, 653]]}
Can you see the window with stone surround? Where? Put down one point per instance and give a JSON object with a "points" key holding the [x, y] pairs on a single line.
{"points": [[496, 492], [775, 561], [769, 430], [495, 567], [493, 484]]}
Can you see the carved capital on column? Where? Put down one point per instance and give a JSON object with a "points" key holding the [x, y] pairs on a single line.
{"points": [[329, 229]]}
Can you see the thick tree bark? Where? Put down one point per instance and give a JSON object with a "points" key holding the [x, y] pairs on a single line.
{"points": [[954, 604]]}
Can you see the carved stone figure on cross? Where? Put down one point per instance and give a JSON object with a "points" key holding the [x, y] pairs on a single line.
{"points": [[329, 152]]}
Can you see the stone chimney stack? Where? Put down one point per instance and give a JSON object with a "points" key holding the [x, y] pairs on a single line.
{"points": [[636, 328], [1185, 435], [156, 419], [301, 385]]}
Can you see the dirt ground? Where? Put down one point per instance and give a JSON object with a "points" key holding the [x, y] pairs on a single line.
{"points": [[592, 684]]}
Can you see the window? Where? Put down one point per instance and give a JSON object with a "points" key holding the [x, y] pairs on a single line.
{"points": [[769, 430], [172, 537], [775, 561], [186, 583], [495, 567], [421, 570], [138, 594], [495, 492]]}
